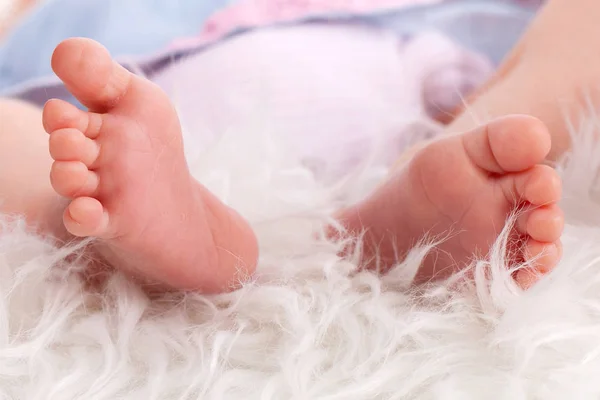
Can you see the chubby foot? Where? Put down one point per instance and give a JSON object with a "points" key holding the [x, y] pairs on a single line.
{"points": [[464, 187], [122, 166]]}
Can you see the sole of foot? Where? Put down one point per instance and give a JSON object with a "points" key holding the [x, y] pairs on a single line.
{"points": [[463, 188], [122, 166]]}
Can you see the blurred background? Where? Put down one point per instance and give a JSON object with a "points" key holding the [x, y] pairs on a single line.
{"points": [[12, 10]]}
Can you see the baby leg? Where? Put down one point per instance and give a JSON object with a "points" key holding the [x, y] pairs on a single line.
{"points": [[551, 74], [118, 174], [24, 167]]}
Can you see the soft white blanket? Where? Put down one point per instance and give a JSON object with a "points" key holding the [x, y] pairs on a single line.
{"points": [[310, 325]]}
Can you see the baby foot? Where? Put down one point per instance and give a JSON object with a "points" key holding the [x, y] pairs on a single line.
{"points": [[123, 167], [466, 186]]}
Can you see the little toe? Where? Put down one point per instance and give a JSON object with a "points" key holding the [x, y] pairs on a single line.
{"points": [[72, 145], [85, 216], [72, 178], [543, 224], [509, 144], [90, 74]]}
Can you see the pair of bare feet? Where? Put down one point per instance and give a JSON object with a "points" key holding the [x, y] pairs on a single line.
{"points": [[123, 168]]}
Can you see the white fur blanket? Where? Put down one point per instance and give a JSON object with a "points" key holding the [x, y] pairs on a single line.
{"points": [[310, 326]]}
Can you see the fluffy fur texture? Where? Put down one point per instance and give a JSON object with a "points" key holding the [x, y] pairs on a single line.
{"points": [[309, 325]]}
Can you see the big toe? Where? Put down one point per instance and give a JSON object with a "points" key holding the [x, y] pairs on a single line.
{"points": [[509, 144], [90, 74]]}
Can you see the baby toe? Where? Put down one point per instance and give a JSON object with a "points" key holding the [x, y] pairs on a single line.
{"points": [[72, 178], [90, 74], [544, 256], [510, 144], [72, 145], [539, 185], [542, 185], [527, 277], [85, 216], [544, 224], [58, 114]]}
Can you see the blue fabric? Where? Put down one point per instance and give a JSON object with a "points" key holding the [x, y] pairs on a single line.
{"points": [[125, 27], [490, 27], [137, 28]]}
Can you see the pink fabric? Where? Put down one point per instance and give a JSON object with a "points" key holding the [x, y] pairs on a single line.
{"points": [[255, 13]]}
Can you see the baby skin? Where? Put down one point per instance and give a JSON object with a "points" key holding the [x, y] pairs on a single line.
{"points": [[462, 189], [121, 165]]}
